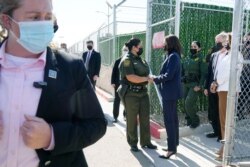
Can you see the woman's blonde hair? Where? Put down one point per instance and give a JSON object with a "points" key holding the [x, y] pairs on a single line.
{"points": [[224, 37]]}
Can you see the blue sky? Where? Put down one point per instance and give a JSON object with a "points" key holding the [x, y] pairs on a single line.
{"points": [[78, 18]]}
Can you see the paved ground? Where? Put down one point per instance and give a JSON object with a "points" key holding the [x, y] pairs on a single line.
{"points": [[113, 150]]}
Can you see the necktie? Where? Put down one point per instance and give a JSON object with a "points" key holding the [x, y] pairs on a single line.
{"points": [[87, 60]]}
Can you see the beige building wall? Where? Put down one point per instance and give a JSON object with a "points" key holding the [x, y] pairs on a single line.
{"points": [[104, 81]]}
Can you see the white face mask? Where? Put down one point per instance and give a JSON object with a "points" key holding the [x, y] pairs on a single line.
{"points": [[35, 36]]}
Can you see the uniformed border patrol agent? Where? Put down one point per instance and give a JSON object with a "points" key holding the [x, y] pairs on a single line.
{"points": [[193, 78], [133, 91]]}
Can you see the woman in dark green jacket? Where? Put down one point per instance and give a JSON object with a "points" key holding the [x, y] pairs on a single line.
{"points": [[193, 77]]}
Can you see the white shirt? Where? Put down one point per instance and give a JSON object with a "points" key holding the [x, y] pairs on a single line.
{"points": [[223, 72]]}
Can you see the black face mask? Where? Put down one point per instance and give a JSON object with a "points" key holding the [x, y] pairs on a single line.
{"points": [[139, 53], [193, 51], [228, 47], [165, 48], [218, 46], [55, 28], [90, 47]]}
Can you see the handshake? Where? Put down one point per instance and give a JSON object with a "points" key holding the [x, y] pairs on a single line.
{"points": [[150, 78]]}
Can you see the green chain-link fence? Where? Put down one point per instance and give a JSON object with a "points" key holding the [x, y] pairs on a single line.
{"points": [[197, 22], [122, 39], [106, 46], [160, 12]]}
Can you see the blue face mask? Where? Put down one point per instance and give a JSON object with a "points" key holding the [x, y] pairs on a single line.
{"points": [[35, 36]]}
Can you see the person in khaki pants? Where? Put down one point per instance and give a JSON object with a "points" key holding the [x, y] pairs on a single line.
{"points": [[221, 81]]}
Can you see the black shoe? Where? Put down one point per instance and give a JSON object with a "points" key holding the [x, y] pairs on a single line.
{"points": [[115, 120], [211, 135], [223, 141], [218, 139], [193, 126], [150, 146], [134, 148], [168, 156], [188, 121], [165, 149]]}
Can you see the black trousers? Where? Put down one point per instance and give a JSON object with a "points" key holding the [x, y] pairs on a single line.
{"points": [[116, 104], [213, 113], [171, 123], [92, 81]]}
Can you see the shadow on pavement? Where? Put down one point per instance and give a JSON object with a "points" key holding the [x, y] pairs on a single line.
{"points": [[138, 155]]}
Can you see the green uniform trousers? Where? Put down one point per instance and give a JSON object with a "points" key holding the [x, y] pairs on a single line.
{"points": [[137, 103], [190, 103]]}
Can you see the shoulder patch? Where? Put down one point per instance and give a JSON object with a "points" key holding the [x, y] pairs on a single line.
{"points": [[210, 51], [197, 59], [126, 62]]}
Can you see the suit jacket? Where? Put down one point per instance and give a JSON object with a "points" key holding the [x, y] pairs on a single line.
{"points": [[94, 63], [115, 77], [169, 79], [211, 69], [69, 104]]}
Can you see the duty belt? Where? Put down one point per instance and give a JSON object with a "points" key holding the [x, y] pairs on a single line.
{"points": [[137, 88], [190, 77]]}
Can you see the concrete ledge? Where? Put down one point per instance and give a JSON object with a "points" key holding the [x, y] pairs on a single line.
{"points": [[156, 129], [104, 94], [186, 131], [244, 164], [159, 132]]}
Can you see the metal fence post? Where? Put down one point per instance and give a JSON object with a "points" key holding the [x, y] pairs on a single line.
{"points": [[149, 31], [231, 98], [114, 32], [115, 28], [98, 39], [177, 17], [171, 15]]}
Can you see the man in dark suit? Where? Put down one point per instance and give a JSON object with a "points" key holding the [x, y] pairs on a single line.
{"points": [[115, 82], [92, 61], [52, 113], [213, 99], [70, 105]]}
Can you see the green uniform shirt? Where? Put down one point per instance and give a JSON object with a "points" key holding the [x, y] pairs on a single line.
{"points": [[131, 64], [194, 69]]}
